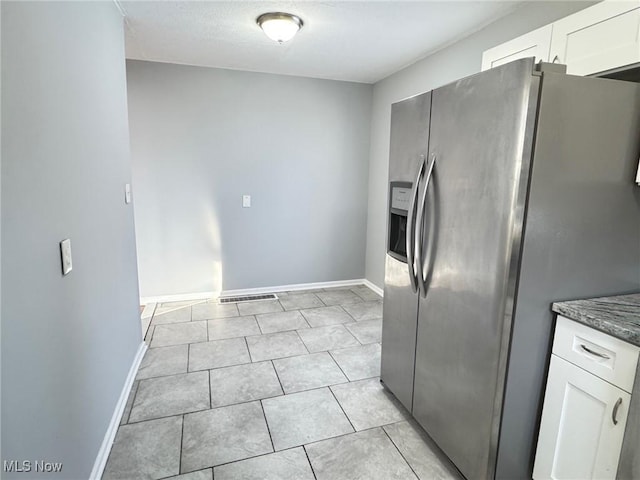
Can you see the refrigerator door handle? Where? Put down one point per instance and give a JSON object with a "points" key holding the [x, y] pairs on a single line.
{"points": [[418, 231], [411, 223]]}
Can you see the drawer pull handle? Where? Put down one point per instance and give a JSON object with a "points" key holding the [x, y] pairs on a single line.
{"points": [[593, 352], [614, 414]]}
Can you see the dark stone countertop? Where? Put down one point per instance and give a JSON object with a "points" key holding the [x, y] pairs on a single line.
{"points": [[618, 316]]}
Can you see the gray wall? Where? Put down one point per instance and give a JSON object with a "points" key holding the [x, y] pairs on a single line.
{"points": [[203, 137], [67, 343], [454, 62]]}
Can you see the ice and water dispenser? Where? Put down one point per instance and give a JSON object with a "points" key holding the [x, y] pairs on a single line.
{"points": [[399, 204]]}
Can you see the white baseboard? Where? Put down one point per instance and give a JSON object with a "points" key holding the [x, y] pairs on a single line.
{"points": [[374, 287], [293, 287], [182, 297], [110, 435]]}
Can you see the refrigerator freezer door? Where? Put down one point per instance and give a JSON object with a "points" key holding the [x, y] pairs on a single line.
{"points": [[399, 321], [409, 142], [409, 136], [481, 134]]}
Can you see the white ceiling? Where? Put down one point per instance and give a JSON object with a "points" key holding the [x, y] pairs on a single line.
{"points": [[360, 41]]}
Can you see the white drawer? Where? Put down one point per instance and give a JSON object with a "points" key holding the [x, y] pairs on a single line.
{"points": [[607, 357]]}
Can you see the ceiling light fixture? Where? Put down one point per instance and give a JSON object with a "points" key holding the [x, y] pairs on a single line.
{"points": [[279, 27]]}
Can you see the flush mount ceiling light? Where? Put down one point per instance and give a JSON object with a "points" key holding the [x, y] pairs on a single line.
{"points": [[279, 27]]}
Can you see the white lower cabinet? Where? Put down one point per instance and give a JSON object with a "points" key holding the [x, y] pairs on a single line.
{"points": [[586, 404], [583, 425]]}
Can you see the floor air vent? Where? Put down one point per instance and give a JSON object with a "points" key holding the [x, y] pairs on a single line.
{"points": [[247, 298]]}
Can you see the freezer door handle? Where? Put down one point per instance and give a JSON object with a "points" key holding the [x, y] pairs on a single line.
{"points": [[411, 224], [419, 227]]}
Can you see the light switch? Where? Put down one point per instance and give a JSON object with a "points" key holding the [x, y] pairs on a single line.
{"points": [[246, 201], [127, 193], [65, 255]]}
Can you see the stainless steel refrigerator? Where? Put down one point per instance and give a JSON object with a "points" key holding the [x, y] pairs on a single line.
{"points": [[508, 190]]}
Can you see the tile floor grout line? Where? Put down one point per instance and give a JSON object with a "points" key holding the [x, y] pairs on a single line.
{"points": [[336, 362], [133, 400], [341, 307], [248, 349], [353, 334], [303, 344], [273, 365], [357, 294], [249, 458], [244, 402], [340, 405], [181, 442], [357, 432], [163, 417], [133, 403], [203, 369], [210, 400], [309, 390], [352, 317], [354, 337], [313, 472], [398, 450], [153, 332], [259, 326], [291, 356], [264, 415], [304, 318], [171, 477]]}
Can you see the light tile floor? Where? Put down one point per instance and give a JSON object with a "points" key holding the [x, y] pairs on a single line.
{"points": [[285, 389]]}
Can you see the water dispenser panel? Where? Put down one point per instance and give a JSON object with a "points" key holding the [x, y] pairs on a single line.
{"points": [[400, 198]]}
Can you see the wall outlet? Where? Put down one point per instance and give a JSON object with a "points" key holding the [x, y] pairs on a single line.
{"points": [[246, 201], [65, 255]]}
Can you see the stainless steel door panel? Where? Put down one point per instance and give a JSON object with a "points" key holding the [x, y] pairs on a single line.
{"points": [[408, 146], [409, 136], [400, 320], [479, 133]]}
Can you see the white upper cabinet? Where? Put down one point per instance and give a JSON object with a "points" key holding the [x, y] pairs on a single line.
{"points": [[602, 37], [533, 44], [599, 38]]}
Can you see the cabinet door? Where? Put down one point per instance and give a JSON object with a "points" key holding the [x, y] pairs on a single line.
{"points": [[597, 39], [533, 44], [578, 437]]}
